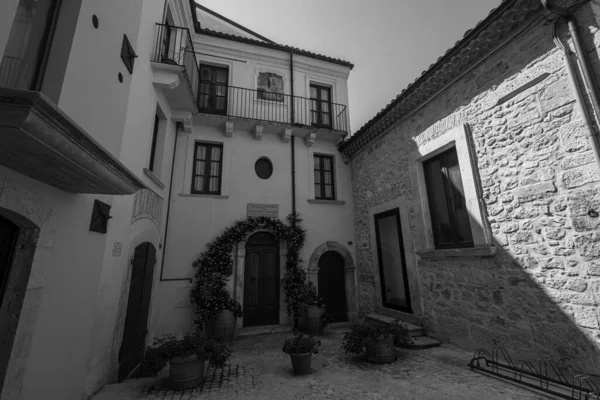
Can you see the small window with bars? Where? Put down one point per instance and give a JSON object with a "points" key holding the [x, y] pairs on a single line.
{"points": [[208, 166], [324, 180]]}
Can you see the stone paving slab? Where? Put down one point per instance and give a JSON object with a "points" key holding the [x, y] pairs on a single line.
{"points": [[260, 370]]}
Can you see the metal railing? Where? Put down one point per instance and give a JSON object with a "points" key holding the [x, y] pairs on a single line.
{"points": [[272, 107], [174, 46]]}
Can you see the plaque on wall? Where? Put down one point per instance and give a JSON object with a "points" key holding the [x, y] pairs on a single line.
{"points": [[263, 210]]}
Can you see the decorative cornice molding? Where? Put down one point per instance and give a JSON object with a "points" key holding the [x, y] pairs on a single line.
{"points": [[258, 131], [286, 135], [185, 117], [229, 128], [282, 60], [310, 139]]}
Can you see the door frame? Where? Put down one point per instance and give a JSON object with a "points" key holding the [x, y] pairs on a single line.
{"points": [[235, 283], [395, 212], [274, 247], [400, 203]]}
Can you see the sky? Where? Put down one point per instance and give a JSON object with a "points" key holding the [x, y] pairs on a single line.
{"points": [[390, 42]]}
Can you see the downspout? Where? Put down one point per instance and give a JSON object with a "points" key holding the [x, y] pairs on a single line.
{"points": [[588, 77], [162, 265], [293, 158], [293, 120]]}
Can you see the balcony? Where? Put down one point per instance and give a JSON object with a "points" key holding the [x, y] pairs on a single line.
{"points": [[247, 104], [175, 67]]}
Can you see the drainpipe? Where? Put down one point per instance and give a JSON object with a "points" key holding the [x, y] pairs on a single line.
{"points": [[588, 77], [293, 120], [162, 265]]}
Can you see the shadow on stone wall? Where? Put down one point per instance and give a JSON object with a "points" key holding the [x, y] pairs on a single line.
{"points": [[538, 296]]}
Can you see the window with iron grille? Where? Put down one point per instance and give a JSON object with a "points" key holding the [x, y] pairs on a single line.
{"points": [[208, 167], [449, 215], [320, 106], [324, 179]]}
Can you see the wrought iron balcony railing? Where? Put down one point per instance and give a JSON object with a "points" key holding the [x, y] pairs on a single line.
{"points": [[214, 98], [174, 46]]}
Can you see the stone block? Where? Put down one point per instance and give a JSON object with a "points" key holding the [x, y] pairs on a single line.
{"points": [[576, 285], [580, 176], [555, 95], [535, 191], [593, 269], [573, 137], [588, 246], [577, 160], [539, 175], [586, 316]]}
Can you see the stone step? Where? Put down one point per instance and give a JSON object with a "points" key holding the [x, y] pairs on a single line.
{"points": [[413, 330], [422, 342], [262, 330]]}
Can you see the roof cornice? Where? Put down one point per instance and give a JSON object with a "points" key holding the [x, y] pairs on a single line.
{"points": [[498, 27]]}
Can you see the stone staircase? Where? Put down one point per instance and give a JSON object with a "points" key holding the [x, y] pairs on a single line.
{"points": [[417, 334]]}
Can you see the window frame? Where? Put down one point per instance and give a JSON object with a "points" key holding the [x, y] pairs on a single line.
{"points": [[208, 160], [460, 137], [450, 203], [320, 195], [320, 113], [211, 109], [152, 160]]}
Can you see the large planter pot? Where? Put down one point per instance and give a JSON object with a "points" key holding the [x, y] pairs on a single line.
{"points": [[301, 363], [186, 372], [382, 351], [314, 325], [314, 311], [221, 327]]}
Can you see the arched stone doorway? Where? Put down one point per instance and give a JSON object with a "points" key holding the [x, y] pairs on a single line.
{"points": [[349, 274], [138, 306], [260, 241], [332, 285]]}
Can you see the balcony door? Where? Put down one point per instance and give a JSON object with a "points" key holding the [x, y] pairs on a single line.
{"points": [[320, 106], [27, 42], [212, 96]]}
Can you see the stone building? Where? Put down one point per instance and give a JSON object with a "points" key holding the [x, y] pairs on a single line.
{"points": [[480, 182]]}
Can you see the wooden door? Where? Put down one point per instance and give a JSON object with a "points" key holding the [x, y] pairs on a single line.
{"points": [[138, 305], [261, 281], [332, 285]]}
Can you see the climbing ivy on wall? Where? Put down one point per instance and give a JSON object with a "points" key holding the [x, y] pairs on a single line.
{"points": [[210, 294]]}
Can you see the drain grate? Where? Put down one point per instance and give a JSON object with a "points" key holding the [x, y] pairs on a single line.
{"points": [[233, 378]]}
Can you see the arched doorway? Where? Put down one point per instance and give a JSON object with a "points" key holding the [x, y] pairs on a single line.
{"points": [[261, 280], [332, 285], [138, 306]]}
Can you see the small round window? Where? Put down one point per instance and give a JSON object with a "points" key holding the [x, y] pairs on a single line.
{"points": [[263, 168]]}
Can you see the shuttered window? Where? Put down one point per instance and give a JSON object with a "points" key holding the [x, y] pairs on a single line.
{"points": [[449, 216], [324, 179], [208, 166]]}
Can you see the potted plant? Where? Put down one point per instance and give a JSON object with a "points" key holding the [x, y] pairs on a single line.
{"points": [[313, 321], [216, 310], [187, 355], [377, 339], [301, 348]]}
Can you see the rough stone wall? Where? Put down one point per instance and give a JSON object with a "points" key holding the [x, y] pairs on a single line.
{"points": [[538, 297]]}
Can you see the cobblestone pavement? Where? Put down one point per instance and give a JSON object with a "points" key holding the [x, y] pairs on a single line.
{"points": [[260, 370]]}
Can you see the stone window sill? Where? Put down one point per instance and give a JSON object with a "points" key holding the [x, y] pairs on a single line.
{"points": [[154, 178], [214, 196], [337, 202], [479, 251]]}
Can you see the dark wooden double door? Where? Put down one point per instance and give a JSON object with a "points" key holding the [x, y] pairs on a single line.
{"points": [[138, 306], [261, 281], [332, 285]]}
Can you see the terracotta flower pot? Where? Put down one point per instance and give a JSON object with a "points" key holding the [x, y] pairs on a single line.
{"points": [[301, 363], [382, 351], [221, 327], [314, 311], [186, 372]]}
